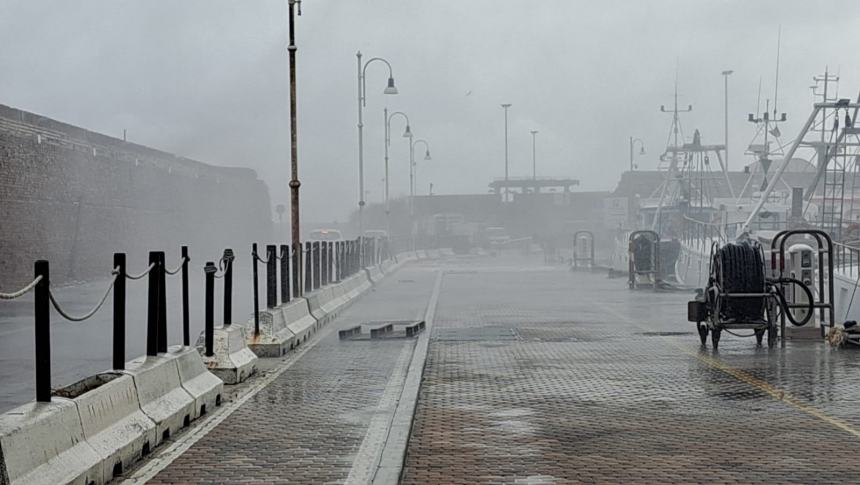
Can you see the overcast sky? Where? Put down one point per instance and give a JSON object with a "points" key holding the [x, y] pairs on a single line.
{"points": [[208, 79]]}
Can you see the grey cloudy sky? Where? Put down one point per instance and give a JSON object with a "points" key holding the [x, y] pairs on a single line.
{"points": [[208, 79]]}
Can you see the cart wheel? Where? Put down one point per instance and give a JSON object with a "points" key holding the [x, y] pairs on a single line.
{"points": [[759, 336], [771, 336], [715, 338], [703, 333]]}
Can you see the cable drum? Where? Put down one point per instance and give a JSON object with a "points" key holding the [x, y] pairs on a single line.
{"points": [[739, 268], [643, 248]]}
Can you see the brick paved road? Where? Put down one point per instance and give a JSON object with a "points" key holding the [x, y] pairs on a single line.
{"points": [[559, 377], [309, 424]]}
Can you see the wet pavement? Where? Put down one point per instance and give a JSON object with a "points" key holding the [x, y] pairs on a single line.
{"points": [[318, 421], [560, 377], [534, 374]]}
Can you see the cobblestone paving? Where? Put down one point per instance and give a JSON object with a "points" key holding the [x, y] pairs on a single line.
{"points": [[558, 377], [308, 424]]}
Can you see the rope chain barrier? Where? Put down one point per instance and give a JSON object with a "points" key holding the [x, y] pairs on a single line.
{"points": [[23, 291], [89, 314], [141, 275], [181, 264]]}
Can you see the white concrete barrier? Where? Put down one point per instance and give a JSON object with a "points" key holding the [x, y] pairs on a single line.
{"points": [[162, 397], [112, 421], [274, 339], [318, 300], [298, 319], [43, 443], [374, 273], [205, 387], [233, 361]]}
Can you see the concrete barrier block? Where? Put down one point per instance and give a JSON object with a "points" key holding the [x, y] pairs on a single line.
{"points": [[319, 303], [112, 421], [299, 319], [446, 252], [162, 397], [43, 443], [233, 361], [205, 387], [274, 339]]}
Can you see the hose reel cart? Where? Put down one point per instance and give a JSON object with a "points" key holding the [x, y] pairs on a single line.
{"points": [[740, 297], [643, 259]]}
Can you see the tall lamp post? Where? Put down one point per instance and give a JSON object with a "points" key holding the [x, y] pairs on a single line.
{"points": [[726, 75], [406, 134], [534, 157], [412, 181], [507, 189], [294, 154], [362, 100], [641, 150]]}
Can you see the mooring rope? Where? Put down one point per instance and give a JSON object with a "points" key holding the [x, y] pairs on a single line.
{"points": [[23, 291], [89, 314]]}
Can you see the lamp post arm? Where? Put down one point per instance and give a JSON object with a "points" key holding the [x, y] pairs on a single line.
{"points": [[363, 76], [388, 122]]}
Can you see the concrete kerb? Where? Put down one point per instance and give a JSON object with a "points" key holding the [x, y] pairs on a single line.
{"points": [[275, 339], [162, 397], [232, 361], [44, 443], [205, 387]]}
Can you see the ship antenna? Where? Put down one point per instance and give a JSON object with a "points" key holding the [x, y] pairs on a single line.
{"points": [[776, 83]]}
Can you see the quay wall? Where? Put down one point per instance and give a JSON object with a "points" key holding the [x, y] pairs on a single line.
{"points": [[74, 197]]}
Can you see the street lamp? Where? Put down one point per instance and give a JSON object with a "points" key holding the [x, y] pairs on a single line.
{"points": [[412, 177], [726, 75], [507, 189], [362, 100], [407, 133], [534, 163], [294, 155], [641, 150]]}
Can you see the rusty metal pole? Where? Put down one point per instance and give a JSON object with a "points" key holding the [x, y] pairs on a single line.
{"points": [[294, 149]]}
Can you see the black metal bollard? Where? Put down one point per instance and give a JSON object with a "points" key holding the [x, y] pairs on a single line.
{"points": [[228, 258], [186, 326], [297, 267], [337, 263], [316, 259], [152, 307], [256, 290], [162, 302], [271, 276], [119, 312], [209, 328], [325, 273], [285, 271], [308, 273], [330, 268], [42, 314]]}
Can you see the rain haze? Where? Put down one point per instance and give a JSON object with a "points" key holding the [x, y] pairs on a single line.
{"points": [[208, 80], [462, 242]]}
